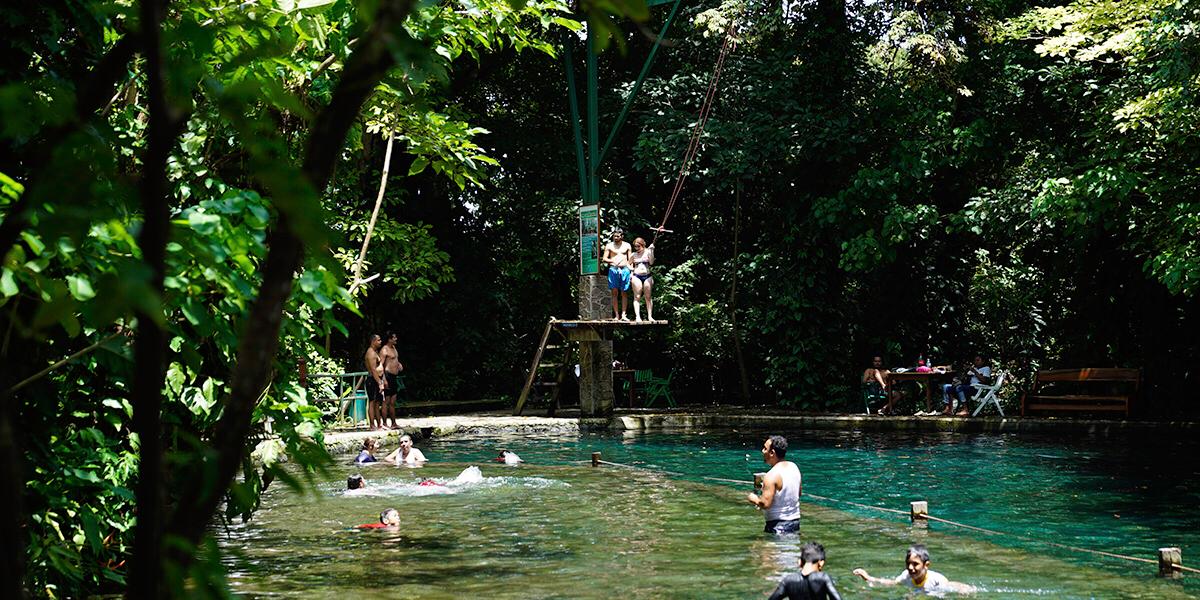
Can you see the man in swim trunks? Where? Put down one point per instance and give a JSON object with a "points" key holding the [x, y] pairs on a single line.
{"points": [[388, 519], [616, 255], [780, 499], [375, 384], [391, 373]]}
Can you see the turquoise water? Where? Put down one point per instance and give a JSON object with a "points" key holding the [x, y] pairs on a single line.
{"points": [[555, 527]]}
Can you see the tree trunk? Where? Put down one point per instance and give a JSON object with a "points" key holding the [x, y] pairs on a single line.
{"points": [[259, 340]]}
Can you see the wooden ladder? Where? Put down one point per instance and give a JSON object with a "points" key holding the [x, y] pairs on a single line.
{"points": [[563, 367]]}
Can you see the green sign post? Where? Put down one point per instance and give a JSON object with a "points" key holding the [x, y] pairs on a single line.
{"points": [[589, 239]]}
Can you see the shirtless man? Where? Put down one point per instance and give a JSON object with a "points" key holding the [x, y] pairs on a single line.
{"points": [[874, 380], [391, 372], [376, 384], [406, 454], [780, 499], [616, 255]]}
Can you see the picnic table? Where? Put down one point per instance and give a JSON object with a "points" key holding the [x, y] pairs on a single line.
{"points": [[926, 379]]}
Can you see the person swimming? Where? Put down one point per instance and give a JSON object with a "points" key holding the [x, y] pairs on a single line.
{"points": [[917, 575], [355, 482], [509, 458], [388, 519], [367, 454], [811, 583], [469, 475]]}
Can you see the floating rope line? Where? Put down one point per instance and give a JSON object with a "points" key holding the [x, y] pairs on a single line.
{"points": [[925, 516]]}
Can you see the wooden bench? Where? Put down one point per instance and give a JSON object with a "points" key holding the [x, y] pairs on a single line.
{"points": [[1064, 396]]}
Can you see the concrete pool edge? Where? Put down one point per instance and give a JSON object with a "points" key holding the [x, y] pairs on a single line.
{"points": [[345, 442], [686, 421]]}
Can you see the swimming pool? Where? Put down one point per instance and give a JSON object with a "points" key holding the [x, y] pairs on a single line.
{"points": [[555, 527]]}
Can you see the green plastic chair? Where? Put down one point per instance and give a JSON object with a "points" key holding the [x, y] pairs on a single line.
{"points": [[871, 395], [658, 387]]}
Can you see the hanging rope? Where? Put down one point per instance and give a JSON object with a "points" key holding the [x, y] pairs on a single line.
{"points": [[729, 45]]}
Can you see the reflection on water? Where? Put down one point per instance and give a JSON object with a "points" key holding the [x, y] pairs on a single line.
{"points": [[555, 528]]}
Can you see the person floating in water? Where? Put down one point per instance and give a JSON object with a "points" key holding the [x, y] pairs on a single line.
{"points": [[355, 482], [388, 519], [917, 575], [616, 256], [780, 499], [469, 475], [406, 454], [509, 458], [367, 454], [811, 583]]}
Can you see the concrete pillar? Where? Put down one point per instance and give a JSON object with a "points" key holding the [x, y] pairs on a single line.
{"points": [[1168, 559], [595, 357], [918, 511]]}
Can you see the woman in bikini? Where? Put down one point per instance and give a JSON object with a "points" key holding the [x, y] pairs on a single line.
{"points": [[643, 282]]}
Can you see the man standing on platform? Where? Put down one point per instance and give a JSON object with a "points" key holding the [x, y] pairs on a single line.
{"points": [[616, 255], [376, 384], [391, 373], [780, 499]]}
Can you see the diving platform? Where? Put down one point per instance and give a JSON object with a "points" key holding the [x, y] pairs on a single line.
{"points": [[594, 330], [573, 330]]}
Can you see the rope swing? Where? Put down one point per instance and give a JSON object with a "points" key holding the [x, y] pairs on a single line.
{"points": [[729, 45]]}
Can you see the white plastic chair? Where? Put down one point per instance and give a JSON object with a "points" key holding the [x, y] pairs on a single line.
{"points": [[986, 394]]}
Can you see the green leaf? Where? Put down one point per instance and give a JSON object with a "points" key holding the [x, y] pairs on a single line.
{"points": [[80, 288]]}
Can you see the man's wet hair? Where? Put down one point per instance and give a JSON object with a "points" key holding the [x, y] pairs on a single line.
{"points": [[371, 337], [383, 516], [779, 445], [812, 553], [919, 551], [389, 335], [354, 482]]}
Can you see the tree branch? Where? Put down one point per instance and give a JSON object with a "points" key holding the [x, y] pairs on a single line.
{"points": [[259, 340], [362, 254]]}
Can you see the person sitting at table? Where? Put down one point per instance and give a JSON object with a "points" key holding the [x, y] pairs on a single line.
{"points": [[874, 383], [979, 373]]}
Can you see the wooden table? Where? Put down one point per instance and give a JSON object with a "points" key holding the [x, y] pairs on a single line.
{"points": [[627, 375], [926, 379]]}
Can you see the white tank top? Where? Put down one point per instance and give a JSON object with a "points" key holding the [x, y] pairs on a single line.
{"points": [[786, 504]]}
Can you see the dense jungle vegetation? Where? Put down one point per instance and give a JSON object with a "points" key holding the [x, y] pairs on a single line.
{"points": [[185, 187]]}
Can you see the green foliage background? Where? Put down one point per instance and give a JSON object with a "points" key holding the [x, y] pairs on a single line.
{"points": [[938, 178]]}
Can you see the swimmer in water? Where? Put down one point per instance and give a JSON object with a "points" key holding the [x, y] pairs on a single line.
{"points": [[471, 474], [917, 575], [367, 454], [811, 583], [509, 458], [355, 482], [388, 519], [406, 454]]}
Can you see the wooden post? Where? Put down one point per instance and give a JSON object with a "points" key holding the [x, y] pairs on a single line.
{"points": [[1169, 561], [758, 480], [302, 369], [595, 459], [920, 508]]}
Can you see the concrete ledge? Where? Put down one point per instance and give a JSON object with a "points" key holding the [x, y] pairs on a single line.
{"points": [[685, 421], [345, 442]]}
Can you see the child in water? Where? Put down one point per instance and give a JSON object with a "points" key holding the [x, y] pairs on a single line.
{"points": [[811, 583], [367, 455], [388, 519], [917, 575]]}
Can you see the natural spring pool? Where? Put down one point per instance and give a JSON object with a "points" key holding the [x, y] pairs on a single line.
{"points": [[555, 527]]}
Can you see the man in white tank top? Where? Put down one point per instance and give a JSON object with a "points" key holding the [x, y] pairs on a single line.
{"points": [[780, 499]]}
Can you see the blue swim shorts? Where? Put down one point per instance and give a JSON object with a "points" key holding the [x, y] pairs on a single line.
{"points": [[618, 278]]}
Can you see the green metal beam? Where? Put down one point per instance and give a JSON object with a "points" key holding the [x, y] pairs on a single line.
{"points": [[593, 125], [573, 97], [637, 85]]}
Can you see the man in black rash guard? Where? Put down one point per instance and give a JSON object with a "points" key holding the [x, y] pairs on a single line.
{"points": [[810, 583]]}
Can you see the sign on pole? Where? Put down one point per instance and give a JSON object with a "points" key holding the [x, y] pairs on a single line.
{"points": [[589, 239]]}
